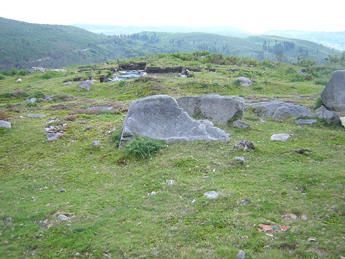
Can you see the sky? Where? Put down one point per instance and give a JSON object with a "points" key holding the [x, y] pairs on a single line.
{"points": [[249, 15]]}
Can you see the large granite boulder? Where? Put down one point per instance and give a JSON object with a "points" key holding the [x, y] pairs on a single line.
{"points": [[278, 110], [160, 117], [333, 96], [213, 107]]}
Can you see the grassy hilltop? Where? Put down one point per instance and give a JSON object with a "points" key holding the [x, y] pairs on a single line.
{"points": [[105, 192]]}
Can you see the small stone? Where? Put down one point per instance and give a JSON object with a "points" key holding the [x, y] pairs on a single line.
{"points": [[240, 159], [245, 145], [289, 216], [52, 136], [305, 121], [19, 80], [170, 182], [7, 221], [153, 193], [193, 201], [96, 143], [304, 217], [240, 124], [311, 239], [241, 255], [5, 124], [62, 217], [62, 190], [211, 195], [280, 137], [245, 202], [244, 81], [31, 100]]}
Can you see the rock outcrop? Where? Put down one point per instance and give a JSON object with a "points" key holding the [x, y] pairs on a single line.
{"points": [[328, 116], [278, 110], [333, 96], [213, 107], [160, 117]]}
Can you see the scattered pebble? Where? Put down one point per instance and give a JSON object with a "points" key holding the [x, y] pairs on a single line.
{"points": [[240, 159], [62, 190], [280, 137], [311, 239], [170, 182], [304, 217], [96, 143], [245, 202], [152, 193], [31, 100], [211, 195], [62, 217], [289, 216], [245, 145], [241, 255]]}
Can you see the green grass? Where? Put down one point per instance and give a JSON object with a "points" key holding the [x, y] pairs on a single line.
{"points": [[107, 197]]}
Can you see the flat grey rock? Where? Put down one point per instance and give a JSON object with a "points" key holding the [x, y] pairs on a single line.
{"points": [[52, 136], [333, 96], [280, 137], [31, 100], [240, 124], [36, 115], [278, 110], [5, 124], [328, 116], [213, 107], [160, 117], [306, 121], [211, 195]]}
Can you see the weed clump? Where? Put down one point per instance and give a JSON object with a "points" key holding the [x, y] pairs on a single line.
{"points": [[143, 148]]}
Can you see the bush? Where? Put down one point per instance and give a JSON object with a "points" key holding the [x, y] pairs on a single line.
{"points": [[2, 77], [37, 94], [49, 75], [116, 137], [143, 148], [318, 103]]}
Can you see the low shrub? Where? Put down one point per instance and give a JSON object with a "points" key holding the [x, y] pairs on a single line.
{"points": [[143, 148]]}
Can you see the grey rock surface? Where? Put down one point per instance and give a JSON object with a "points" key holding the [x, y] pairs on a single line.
{"points": [[5, 124], [333, 96], [278, 110], [241, 255], [306, 121], [280, 137], [86, 84], [328, 116], [240, 124], [36, 115], [213, 107], [244, 81], [160, 117]]}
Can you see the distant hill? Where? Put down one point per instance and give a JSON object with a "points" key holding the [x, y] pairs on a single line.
{"points": [[330, 39], [120, 30], [24, 45]]}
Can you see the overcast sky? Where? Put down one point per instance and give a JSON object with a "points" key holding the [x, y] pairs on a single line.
{"points": [[255, 16]]}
